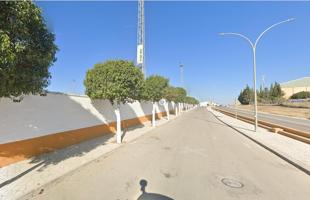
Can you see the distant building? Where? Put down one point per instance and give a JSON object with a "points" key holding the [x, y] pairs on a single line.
{"points": [[294, 86], [204, 104]]}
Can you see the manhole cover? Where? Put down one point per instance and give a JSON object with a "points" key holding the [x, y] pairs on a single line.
{"points": [[232, 183]]}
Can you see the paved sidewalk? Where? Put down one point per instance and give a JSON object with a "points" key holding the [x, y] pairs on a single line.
{"points": [[26, 176], [193, 157], [293, 150]]}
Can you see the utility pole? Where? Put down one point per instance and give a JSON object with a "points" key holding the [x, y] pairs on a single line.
{"points": [[141, 38], [181, 75]]}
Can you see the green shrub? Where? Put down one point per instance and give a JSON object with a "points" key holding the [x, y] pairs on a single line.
{"points": [[301, 95]]}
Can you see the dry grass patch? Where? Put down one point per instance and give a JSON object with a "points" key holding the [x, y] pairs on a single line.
{"points": [[281, 110]]}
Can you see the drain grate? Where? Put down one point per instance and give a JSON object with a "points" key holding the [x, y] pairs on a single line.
{"points": [[232, 183]]}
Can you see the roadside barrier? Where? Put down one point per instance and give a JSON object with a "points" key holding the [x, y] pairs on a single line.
{"points": [[276, 128]]}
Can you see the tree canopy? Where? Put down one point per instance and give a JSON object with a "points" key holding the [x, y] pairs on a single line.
{"points": [[246, 96], [170, 94], [275, 91], [274, 94], [119, 81], [154, 88], [181, 94], [175, 94], [27, 49], [191, 100]]}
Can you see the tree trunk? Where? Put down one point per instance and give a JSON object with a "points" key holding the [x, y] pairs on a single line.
{"points": [[179, 106], [118, 125], [167, 111], [153, 115]]}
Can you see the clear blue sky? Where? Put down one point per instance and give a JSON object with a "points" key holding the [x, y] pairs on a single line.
{"points": [[215, 67]]}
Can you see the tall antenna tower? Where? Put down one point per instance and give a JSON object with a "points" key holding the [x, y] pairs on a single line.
{"points": [[181, 75], [263, 82], [140, 37]]}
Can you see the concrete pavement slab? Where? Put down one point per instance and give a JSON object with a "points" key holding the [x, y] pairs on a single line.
{"points": [[293, 150]]}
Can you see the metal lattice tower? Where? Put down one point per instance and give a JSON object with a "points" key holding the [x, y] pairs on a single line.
{"points": [[140, 37], [181, 75]]}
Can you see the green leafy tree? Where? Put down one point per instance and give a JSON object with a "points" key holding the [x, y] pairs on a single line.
{"points": [[190, 102], [27, 49], [175, 94], [275, 93], [263, 95], [170, 94], [195, 101], [266, 93], [246, 96], [154, 90], [181, 95], [118, 81]]}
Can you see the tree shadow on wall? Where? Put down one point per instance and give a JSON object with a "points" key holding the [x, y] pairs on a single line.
{"points": [[134, 116], [130, 119], [41, 151], [69, 109]]}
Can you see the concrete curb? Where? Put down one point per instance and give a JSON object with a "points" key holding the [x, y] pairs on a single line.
{"points": [[283, 157]]}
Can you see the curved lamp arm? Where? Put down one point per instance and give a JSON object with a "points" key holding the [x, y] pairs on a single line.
{"points": [[272, 26], [240, 35]]}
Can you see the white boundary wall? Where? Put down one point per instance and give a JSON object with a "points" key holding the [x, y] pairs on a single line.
{"points": [[37, 116]]}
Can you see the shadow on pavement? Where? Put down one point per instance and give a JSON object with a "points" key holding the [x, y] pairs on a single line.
{"points": [[20, 175], [131, 128], [55, 157], [150, 196]]}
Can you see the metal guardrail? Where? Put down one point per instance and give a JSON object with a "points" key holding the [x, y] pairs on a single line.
{"points": [[283, 130]]}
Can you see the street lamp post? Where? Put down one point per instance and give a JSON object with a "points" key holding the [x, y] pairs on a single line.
{"points": [[253, 46]]}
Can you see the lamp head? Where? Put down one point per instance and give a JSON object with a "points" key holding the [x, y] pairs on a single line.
{"points": [[290, 19]]}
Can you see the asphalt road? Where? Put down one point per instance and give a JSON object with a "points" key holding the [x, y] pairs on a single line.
{"points": [[296, 123], [188, 158]]}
